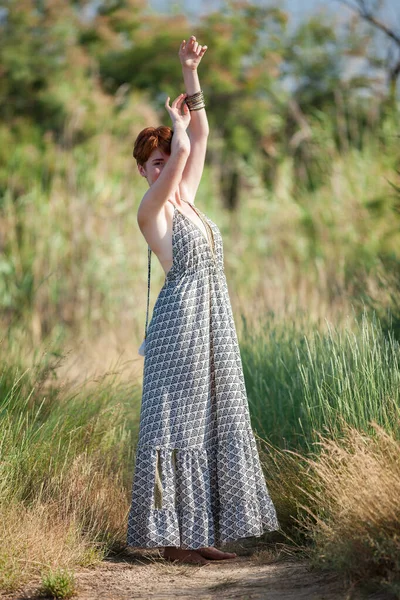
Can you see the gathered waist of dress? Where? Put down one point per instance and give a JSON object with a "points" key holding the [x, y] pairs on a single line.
{"points": [[175, 274]]}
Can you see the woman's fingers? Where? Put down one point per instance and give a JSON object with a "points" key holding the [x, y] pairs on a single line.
{"points": [[192, 46], [202, 51], [180, 101], [184, 103], [175, 102]]}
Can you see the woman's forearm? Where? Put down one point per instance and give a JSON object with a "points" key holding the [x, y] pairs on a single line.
{"points": [[180, 142], [191, 79], [198, 123]]}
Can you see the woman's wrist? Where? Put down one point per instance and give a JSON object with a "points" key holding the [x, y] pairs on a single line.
{"points": [[178, 125], [186, 68], [191, 80]]}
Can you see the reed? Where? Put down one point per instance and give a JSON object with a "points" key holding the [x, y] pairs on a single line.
{"points": [[303, 382]]}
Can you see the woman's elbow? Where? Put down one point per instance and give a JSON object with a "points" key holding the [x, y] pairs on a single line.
{"points": [[182, 150]]}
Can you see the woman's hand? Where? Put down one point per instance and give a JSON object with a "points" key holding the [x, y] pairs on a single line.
{"points": [[175, 111], [191, 53]]}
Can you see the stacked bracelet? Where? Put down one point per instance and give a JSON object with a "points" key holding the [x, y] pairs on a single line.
{"points": [[196, 101]]}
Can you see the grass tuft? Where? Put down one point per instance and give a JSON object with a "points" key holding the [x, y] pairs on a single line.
{"points": [[58, 583]]}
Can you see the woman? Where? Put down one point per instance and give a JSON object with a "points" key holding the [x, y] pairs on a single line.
{"points": [[198, 481]]}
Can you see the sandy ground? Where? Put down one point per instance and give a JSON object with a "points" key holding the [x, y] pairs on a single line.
{"points": [[143, 575]]}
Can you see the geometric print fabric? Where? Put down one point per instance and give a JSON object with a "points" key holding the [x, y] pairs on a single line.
{"points": [[198, 479]]}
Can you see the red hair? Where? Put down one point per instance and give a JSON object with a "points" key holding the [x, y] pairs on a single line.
{"points": [[149, 139]]}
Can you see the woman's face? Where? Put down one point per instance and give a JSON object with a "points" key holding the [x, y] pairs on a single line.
{"points": [[152, 169]]}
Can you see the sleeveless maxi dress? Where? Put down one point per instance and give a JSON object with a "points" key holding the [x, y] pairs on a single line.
{"points": [[198, 480]]}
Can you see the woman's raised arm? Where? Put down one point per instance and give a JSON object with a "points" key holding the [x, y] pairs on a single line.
{"points": [[190, 55], [168, 181]]}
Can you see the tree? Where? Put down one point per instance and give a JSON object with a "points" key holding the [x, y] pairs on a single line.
{"points": [[33, 41], [368, 10], [246, 42]]}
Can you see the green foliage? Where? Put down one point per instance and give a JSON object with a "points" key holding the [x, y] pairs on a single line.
{"points": [[314, 169], [243, 83], [246, 42], [38, 420], [32, 51], [58, 583], [314, 58], [303, 383], [54, 60], [141, 65]]}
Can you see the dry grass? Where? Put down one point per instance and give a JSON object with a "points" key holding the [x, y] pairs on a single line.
{"points": [[77, 516], [355, 519], [176, 568], [97, 500], [36, 539], [264, 557]]}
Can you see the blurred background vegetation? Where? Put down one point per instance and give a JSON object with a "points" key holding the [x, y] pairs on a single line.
{"points": [[301, 171], [302, 176]]}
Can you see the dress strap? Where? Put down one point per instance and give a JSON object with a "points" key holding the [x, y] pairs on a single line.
{"points": [[148, 288]]}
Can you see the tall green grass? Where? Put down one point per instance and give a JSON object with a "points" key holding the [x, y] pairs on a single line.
{"points": [[301, 383], [45, 425], [67, 451], [66, 466]]}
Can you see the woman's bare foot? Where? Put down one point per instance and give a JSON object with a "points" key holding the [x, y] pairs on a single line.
{"points": [[190, 556], [215, 554]]}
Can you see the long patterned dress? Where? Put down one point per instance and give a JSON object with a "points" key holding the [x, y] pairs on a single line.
{"points": [[198, 480]]}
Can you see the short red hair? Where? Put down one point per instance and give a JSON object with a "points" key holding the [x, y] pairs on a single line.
{"points": [[150, 139]]}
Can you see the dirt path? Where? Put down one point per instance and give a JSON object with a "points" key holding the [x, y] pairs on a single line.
{"points": [[145, 575], [239, 578]]}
